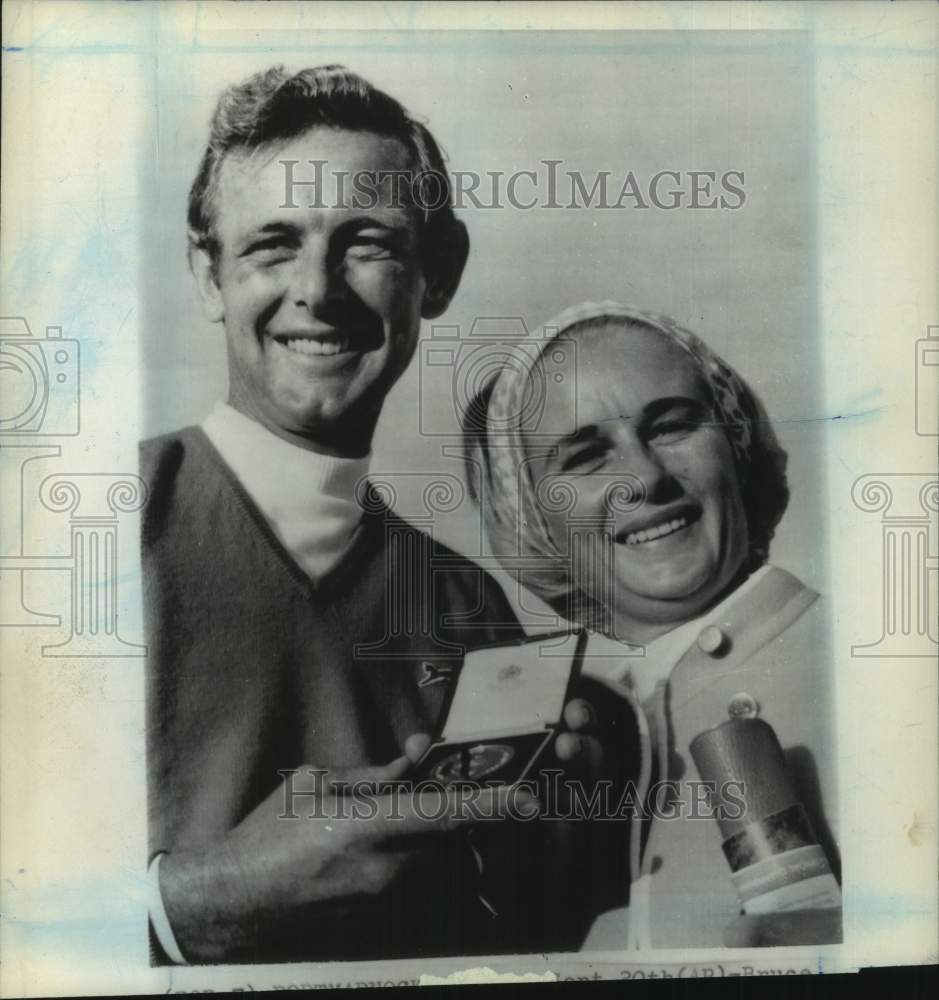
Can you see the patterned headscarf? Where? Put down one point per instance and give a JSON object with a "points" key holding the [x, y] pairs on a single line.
{"points": [[512, 504]]}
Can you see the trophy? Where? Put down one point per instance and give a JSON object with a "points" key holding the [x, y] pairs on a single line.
{"points": [[503, 711]]}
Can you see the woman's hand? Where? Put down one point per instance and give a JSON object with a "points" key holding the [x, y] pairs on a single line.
{"points": [[794, 927]]}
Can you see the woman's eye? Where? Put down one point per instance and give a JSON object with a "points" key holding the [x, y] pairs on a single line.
{"points": [[672, 430], [583, 459]]}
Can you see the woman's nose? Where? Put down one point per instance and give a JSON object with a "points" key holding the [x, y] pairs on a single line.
{"points": [[645, 469]]}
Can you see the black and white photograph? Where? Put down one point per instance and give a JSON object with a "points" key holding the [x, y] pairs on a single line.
{"points": [[472, 493]]}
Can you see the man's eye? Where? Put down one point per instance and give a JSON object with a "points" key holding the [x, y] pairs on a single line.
{"points": [[275, 248], [370, 248]]}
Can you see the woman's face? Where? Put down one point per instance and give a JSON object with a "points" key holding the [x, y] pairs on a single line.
{"points": [[638, 425]]}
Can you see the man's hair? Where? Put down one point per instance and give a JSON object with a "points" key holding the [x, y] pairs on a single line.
{"points": [[276, 106]]}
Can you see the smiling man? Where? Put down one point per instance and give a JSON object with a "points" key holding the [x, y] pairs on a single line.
{"points": [[279, 589], [321, 305]]}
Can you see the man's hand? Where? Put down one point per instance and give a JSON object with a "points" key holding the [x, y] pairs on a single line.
{"points": [[795, 927], [270, 869]]}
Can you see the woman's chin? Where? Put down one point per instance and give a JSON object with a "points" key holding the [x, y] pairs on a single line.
{"points": [[668, 583], [667, 599]]}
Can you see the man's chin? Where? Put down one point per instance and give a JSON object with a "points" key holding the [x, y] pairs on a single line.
{"points": [[343, 425], [311, 410]]}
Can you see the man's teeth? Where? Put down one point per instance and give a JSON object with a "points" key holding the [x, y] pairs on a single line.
{"points": [[637, 537], [304, 345]]}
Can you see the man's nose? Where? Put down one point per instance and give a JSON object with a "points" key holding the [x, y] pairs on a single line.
{"points": [[315, 279]]}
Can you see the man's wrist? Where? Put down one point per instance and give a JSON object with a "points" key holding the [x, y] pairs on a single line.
{"points": [[159, 919], [198, 906]]}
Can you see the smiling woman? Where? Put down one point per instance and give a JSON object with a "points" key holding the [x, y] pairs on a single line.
{"points": [[639, 498], [649, 454]]}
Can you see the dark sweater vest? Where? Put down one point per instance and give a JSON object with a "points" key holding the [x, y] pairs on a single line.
{"points": [[253, 668]]}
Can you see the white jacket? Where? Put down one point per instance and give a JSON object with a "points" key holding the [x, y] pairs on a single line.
{"points": [[768, 643]]}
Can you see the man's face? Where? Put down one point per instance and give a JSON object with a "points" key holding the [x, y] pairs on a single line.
{"points": [[321, 305], [644, 419]]}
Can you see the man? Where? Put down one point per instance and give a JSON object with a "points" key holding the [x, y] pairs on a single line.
{"points": [[273, 582]]}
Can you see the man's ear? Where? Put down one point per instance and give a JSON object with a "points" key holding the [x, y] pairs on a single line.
{"points": [[444, 269], [203, 270]]}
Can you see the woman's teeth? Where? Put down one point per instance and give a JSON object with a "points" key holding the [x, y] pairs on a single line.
{"points": [[304, 345], [638, 537]]}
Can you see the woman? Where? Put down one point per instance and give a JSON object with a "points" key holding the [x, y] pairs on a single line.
{"points": [[639, 498]]}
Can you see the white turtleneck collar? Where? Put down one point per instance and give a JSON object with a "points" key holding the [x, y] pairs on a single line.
{"points": [[307, 498]]}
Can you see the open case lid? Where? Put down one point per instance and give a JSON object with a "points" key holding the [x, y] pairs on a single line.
{"points": [[515, 688]]}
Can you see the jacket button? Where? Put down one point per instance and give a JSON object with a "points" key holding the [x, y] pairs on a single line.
{"points": [[712, 640], [743, 706]]}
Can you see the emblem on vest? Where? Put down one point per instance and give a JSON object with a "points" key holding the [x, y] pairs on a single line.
{"points": [[433, 674]]}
